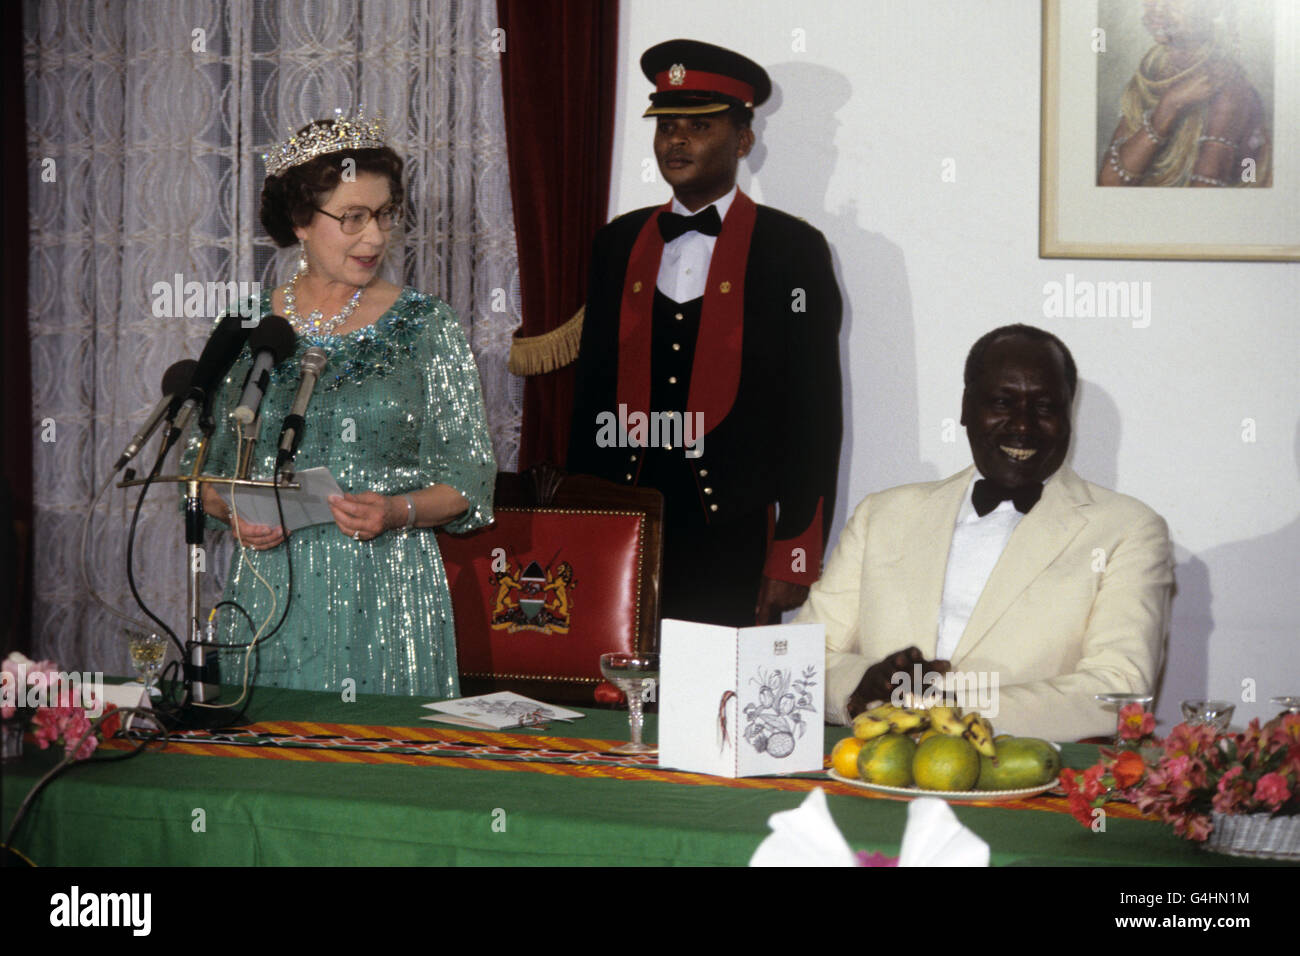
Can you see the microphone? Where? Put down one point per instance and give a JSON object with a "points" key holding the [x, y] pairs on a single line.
{"points": [[175, 385], [271, 343], [219, 353], [313, 363]]}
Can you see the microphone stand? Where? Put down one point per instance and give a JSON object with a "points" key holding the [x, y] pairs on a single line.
{"points": [[197, 671]]}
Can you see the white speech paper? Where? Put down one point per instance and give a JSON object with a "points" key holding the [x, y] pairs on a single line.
{"points": [[303, 506]]}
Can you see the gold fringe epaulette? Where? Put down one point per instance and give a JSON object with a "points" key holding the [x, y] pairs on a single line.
{"points": [[538, 354]]}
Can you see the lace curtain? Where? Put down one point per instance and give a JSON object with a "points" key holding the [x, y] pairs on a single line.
{"points": [[147, 121]]}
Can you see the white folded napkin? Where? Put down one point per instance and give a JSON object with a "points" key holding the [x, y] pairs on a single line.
{"points": [[130, 694], [804, 836], [807, 836], [935, 837]]}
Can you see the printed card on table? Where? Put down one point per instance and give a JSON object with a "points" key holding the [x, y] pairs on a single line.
{"points": [[498, 711], [742, 702]]}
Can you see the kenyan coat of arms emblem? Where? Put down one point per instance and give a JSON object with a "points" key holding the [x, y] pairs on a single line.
{"points": [[532, 598]]}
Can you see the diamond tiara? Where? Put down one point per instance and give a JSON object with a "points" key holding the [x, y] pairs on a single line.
{"points": [[322, 137]]}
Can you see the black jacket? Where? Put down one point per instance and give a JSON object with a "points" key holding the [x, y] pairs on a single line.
{"points": [[780, 441]]}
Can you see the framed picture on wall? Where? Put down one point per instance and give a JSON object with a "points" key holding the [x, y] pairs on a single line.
{"points": [[1169, 129]]}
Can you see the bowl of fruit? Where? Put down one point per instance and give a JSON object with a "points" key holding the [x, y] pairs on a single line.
{"points": [[939, 752]]}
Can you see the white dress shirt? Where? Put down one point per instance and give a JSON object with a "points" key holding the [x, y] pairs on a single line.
{"points": [[684, 268], [977, 543]]}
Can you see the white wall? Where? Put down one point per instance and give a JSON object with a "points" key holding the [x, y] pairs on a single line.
{"points": [[854, 140]]}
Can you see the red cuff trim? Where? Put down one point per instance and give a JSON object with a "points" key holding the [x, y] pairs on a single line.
{"points": [[797, 560]]}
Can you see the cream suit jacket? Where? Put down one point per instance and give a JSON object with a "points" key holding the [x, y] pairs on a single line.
{"points": [[1076, 605]]}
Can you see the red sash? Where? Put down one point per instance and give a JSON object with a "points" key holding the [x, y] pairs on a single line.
{"points": [[715, 373]]}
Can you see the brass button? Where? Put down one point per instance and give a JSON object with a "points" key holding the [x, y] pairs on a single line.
{"points": [[636, 286], [668, 446], [678, 316], [704, 472], [677, 347], [629, 477], [708, 491], [713, 507], [672, 379], [724, 288]]}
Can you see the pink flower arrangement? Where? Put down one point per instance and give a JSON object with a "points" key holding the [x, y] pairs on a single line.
{"points": [[1135, 722], [67, 725], [1193, 772], [1128, 769], [17, 674], [62, 720], [1272, 790]]}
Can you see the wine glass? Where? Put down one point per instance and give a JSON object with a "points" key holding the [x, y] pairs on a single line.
{"points": [[1290, 704], [632, 674], [147, 652], [1121, 701], [1214, 713]]}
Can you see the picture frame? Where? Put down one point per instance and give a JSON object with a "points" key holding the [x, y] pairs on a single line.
{"points": [[1102, 61]]}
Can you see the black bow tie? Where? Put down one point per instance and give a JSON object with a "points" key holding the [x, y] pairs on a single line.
{"points": [[672, 224], [986, 496]]}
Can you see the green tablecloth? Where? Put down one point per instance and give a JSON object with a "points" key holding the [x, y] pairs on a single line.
{"points": [[146, 810]]}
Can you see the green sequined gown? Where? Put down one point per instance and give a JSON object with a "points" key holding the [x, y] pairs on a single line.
{"points": [[398, 408]]}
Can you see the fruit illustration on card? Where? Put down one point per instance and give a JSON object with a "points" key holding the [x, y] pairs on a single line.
{"points": [[774, 720]]}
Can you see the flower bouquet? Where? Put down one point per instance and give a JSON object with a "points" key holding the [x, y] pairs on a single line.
{"points": [[1232, 793], [37, 696]]}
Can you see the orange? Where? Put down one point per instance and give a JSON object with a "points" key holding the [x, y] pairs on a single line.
{"points": [[887, 760], [946, 763], [844, 757]]}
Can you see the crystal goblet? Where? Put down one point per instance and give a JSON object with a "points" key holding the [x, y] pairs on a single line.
{"points": [[1214, 713], [634, 675], [147, 653]]}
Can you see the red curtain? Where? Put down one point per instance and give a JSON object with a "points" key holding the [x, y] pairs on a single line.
{"points": [[558, 79]]}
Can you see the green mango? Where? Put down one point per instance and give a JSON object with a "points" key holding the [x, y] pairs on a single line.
{"points": [[1020, 762]]}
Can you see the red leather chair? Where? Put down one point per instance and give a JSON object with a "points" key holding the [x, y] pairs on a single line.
{"points": [[569, 570]]}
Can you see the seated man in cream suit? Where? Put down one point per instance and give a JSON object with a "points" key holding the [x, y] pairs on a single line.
{"points": [[1043, 587]]}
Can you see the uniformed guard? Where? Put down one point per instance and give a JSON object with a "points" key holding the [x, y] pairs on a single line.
{"points": [[708, 365]]}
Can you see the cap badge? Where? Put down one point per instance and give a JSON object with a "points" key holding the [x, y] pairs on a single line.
{"points": [[677, 74]]}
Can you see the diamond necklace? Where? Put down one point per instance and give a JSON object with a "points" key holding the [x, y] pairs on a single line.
{"points": [[316, 323]]}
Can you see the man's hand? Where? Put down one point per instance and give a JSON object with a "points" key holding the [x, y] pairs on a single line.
{"points": [[776, 597], [877, 683]]}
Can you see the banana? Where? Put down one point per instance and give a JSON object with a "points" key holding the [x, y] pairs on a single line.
{"points": [[866, 727], [882, 710], [947, 720], [980, 733], [905, 720]]}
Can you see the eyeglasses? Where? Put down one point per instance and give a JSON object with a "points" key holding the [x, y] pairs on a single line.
{"points": [[357, 218]]}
